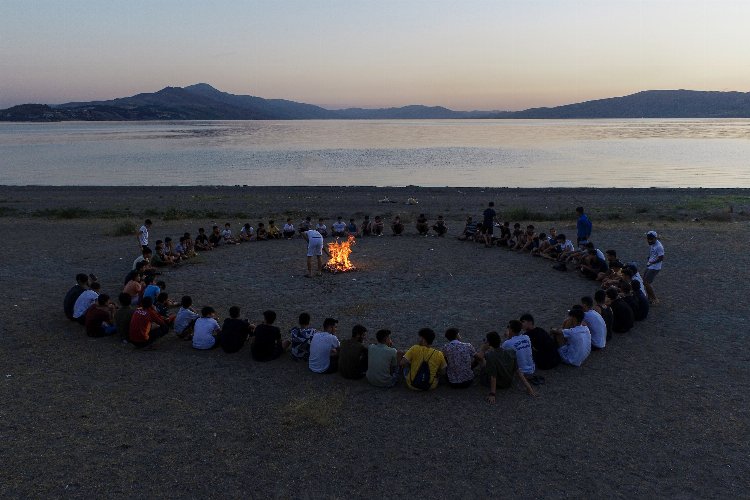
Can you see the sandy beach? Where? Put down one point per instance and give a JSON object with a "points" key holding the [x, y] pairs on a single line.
{"points": [[661, 412]]}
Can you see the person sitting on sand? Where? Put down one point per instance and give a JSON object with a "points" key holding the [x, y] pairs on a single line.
{"points": [[227, 235], [261, 234], [518, 341], [626, 292], [162, 307], [622, 315], [382, 361], [288, 230], [86, 299], [314, 242], [378, 226], [643, 303], [413, 358], [146, 255], [100, 317], [184, 321], [573, 338], [439, 227], [301, 336], [169, 250], [247, 233], [397, 226], [461, 359], [82, 283], [338, 228], [602, 307], [499, 367], [422, 225], [324, 349], [526, 243], [206, 330], [215, 238], [146, 325], [351, 228], [594, 263], [322, 228], [353, 354], [366, 227], [266, 339], [470, 230], [202, 242], [595, 322], [234, 331], [123, 315], [305, 225], [505, 235], [543, 346], [150, 289], [133, 288], [189, 245], [179, 249], [515, 236], [613, 266], [274, 233], [160, 257]]}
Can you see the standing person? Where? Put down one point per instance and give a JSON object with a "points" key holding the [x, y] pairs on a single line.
{"points": [[143, 234], [583, 227], [422, 363], [314, 248], [353, 354], [653, 266], [382, 361], [324, 349], [82, 283], [461, 358], [267, 344], [488, 223]]}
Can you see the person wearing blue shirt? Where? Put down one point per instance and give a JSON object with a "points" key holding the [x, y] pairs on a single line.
{"points": [[583, 227]]}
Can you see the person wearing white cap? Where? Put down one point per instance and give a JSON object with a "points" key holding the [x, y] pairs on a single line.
{"points": [[653, 266]]}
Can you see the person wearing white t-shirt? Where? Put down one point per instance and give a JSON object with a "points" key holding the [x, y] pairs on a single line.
{"points": [[186, 318], [521, 343], [324, 348], [143, 234], [84, 301], [574, 339], [595, 322], [339, 228], [206, 330], [288, 230], [314, 248], [653, 266]]}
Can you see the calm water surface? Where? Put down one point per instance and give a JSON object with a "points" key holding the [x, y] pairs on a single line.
{"points": [[513, 153]]}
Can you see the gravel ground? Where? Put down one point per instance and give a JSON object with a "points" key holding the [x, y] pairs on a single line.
{"points": [[661, 412]]}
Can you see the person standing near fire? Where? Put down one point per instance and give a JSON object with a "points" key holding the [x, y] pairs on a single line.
{"points": [[314, 248]]}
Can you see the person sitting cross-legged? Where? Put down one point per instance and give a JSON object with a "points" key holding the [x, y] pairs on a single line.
{"points": [[423, 364], [353, 354], [461, 358], [499, 367], [573, 338], [324, 349], [382, 361]]}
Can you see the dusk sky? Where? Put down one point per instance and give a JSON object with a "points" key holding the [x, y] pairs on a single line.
{"points": [[483, 54]]}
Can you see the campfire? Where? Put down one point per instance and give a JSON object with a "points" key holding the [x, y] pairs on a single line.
{"points": [[338, 252]]}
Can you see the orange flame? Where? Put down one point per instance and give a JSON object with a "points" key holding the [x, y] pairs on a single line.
{"points": [[339, 256]]}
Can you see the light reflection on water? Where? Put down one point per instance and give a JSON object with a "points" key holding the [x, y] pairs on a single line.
{"points": [[524, 153]]}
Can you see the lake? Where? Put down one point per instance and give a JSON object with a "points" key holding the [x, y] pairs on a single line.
{"points": [[485, 153]]}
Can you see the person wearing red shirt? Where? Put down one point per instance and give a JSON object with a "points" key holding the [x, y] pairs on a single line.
{"points": [[146, 325]]}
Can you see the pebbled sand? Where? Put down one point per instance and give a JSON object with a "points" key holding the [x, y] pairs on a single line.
{"points": [[662, 412]]}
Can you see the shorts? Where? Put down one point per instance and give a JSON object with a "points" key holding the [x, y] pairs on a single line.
{"points": [[315, 247], [650, 275], [488, 228]]}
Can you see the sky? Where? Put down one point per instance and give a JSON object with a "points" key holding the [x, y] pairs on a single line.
{"points": [[465, 55]]}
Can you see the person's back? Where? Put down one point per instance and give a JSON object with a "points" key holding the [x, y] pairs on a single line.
{"points": [[622, 315], [206, 329], [266, 344], [70, 298], [521, 344], [382, 361], [85, 300], [234, 333], [123, 315], [502, 365], [301, 336], [324, 349], [597, 328], [459, 357], [543, 346], [353, 355], [634, 305], [578, 346], [423, 352]]}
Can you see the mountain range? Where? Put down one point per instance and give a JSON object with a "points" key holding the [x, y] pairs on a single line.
{"points": [[203, 102]]}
